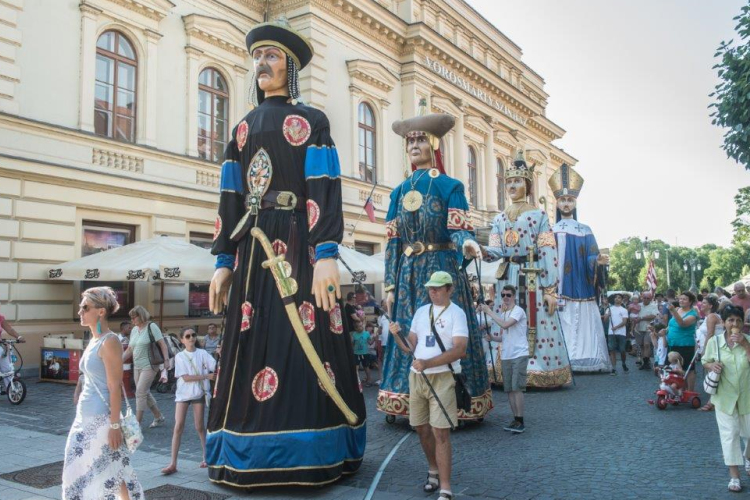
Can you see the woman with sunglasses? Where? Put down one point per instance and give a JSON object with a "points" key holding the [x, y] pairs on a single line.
{"points": [[97, 463], [193, 368]]}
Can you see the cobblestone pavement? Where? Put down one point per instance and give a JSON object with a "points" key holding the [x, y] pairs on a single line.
{"points": [[599, 439]]}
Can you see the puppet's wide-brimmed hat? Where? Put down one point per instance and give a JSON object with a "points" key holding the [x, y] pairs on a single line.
{"points": [[280, 34]]}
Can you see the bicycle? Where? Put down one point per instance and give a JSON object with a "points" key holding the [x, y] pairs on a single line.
{"points": [[16, 390]]}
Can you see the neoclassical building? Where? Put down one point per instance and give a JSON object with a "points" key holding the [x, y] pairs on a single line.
{"points": [[114, 115]]}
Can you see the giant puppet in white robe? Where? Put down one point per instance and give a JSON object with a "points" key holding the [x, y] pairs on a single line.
{"points": [[578, 260]]}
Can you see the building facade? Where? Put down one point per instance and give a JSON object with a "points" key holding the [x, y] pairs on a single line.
{"points": [[114, 115]]}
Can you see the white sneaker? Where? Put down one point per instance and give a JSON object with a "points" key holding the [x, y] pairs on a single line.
{"points": [[747, 465], [158, 422]]}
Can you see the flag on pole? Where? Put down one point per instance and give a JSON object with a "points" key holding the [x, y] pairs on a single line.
{"points": [[651, 277], [370, 209]]}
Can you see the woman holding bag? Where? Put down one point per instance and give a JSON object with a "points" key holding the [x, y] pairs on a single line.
{"points": [[729, 356], [145, 333], [97, 462]]}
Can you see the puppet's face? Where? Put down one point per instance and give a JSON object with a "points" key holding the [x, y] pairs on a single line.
{"points": [[270, 70], [566, 205], [419, 151], [516, 187]]}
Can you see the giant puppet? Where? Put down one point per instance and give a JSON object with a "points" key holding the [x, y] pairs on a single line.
{"points": [[288, 405], [578, 260], [428, 229], [522, 238]]}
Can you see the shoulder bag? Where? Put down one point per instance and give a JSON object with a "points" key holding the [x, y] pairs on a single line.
{"points": [[131, 429], [155, 356], [463, 396], [711, 381], [206, 395]]}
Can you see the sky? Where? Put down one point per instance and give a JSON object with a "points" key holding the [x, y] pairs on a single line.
{"points": [[629, 82]]}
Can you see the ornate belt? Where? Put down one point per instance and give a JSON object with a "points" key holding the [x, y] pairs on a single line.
{"points": [[279, 200], [419, 247], [520, 259]]}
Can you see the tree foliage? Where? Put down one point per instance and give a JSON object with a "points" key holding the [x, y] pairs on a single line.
{"points": [[741, 223], [731, 109]]}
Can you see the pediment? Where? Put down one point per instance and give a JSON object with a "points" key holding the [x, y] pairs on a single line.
{"points": [[216, 32], [372, 73]]}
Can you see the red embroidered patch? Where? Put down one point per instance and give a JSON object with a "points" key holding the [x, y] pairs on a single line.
{"points": [[247, 316], [296, 130], [279, 247], [241, 135], [337, 323], [391, 229], [329, 371], [265, 384], [217, 227], [313, 214], [307, 313], [459, 219]]}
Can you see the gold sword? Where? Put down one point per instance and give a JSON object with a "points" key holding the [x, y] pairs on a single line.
{"points": [[282, 270]]}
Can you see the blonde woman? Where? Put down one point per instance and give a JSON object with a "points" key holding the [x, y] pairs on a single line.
{"points": [[97, 463], [143, 372]]}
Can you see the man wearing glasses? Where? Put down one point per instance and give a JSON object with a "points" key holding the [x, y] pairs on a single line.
{"points": [[514, 355]]}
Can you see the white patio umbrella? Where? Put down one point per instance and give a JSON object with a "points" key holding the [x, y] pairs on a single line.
{"points": [[368, 269], [157, 259]]}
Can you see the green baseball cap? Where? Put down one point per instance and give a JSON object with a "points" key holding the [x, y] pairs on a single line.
{"points": [[438, 279]]}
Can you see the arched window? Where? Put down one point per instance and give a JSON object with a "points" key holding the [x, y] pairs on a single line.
{"points": [[472, 164], [367, 169], [213, 109], [500, 184], [115, 93]]}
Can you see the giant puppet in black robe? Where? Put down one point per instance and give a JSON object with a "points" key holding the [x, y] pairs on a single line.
{"points": [[272, 422]]}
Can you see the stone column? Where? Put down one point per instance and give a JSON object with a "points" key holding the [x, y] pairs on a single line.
{"points": [[354, 97], [147, 113], [459, 149], [193, 63], [89, 16], [381, 134], [490, 179], [239, 108]]}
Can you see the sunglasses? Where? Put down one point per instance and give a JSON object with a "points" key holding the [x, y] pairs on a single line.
{"points": [[87, 308], [189, 336], [506, 295]]}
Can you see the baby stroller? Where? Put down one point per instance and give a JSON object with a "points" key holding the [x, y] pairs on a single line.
{"points": [[665, 396]]}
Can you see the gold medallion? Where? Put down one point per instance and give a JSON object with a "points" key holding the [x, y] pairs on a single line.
{"points": [[412, 201], [511, 237], [434, 173]]}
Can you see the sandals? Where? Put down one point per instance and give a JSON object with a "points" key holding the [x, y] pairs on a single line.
{"points": [[734, 485], [203, 465], [432, 484], [707, 407], [158, 422], [169, 470], [447, 495]]}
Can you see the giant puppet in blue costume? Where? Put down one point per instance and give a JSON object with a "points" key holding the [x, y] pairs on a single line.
{"points": [[288, 407], [428, 229], [578, 259], [522, 239]]}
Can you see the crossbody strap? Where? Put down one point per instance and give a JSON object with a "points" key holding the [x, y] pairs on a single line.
{"points": [[435, 333], [203, 388], [96, 387]]}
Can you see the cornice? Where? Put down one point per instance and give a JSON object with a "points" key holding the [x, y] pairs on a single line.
{"points": [[155, 10]]}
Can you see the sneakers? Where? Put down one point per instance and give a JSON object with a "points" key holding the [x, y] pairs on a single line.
{"points": [[518, 429], [614, 372], [624, 367], [511, 426], [515, 427], [158, 422]]}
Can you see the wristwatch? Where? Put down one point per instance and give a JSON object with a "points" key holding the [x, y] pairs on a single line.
{"points": [[114, 426]]}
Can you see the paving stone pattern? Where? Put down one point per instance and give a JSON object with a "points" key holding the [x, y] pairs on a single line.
{"points": [[599, 439]]}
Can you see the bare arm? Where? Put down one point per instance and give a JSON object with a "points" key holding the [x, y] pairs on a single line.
{"points": [[111, 354], [683, 322], [128, 353], [79, 388], [9, 328]]}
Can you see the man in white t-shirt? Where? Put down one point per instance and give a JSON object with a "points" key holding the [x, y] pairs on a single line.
{"points": [[514, 354], [617, 339], [425, 414], [646, 315], [384, 325]]}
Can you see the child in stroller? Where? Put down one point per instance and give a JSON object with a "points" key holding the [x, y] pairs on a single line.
{"points": [[673, 376]]}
